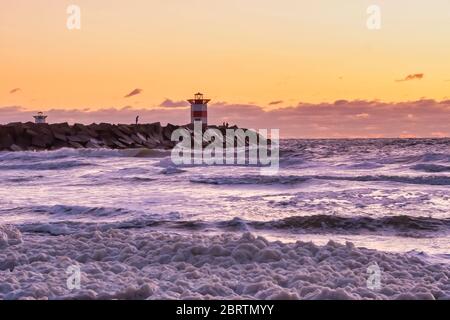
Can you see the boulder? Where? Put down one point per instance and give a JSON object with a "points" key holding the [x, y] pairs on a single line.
{"points": [[94, 144], [119, 134], [15, 147], [76, 145], [58, 144], [80, 138], [151, 145], [61, 128], [127, 141], [117, 143], [42, 141], [108, 141], [60, 136], [102, 127], [125, 129], [154, 129], [31, 132], [6, 140], [17, 128], [139, 138], [24, 141], [81, 129]]}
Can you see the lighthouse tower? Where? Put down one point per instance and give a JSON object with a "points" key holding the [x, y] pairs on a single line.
{"points": [[39, 118], [199, 109]]}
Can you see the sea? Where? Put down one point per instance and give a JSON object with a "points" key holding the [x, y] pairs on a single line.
{"points": [[391, 195]]}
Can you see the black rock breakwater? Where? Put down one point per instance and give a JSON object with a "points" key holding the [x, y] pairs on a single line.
{"points": [[31, 136], [35, 137]]}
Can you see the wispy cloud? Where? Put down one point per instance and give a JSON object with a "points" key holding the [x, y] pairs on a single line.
{"points": [[416, 76], [15, 90], [168, 103], [274, 103], [134, 93]]}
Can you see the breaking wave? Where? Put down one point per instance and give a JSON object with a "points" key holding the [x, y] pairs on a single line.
{"points": [[431, 168], [292, 179], [69, 219], [39, 166], [335, 224], [59, 154], [82, 153], [399, 225], [250, 179]]}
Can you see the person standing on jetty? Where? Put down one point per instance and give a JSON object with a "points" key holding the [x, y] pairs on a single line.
{"points": [[137, 120]]}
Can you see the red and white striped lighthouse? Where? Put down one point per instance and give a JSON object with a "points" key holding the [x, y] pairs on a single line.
{"points": [[199, 109]]}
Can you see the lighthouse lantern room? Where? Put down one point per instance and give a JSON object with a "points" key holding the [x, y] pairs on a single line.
{"points": [[199, 109]]}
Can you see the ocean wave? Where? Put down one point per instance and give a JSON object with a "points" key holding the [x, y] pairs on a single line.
{"points": [[134, 179], [60, 154], [68, 210], [292, 179], [418, 158], [23, 179], [82, 153], [41, 166], [399, 225], [404, 226], [171, 171], [250, 179], [431, 168], [63, 213], [432, 157], [366, 165], [424, 180]]}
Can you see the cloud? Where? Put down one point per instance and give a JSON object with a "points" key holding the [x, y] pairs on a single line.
{"points": [[274, 103], [340, 119], [15, 90], [439, 134], [340, 102], [133, 93], [168, 103], [417, 76], [362, 115]]}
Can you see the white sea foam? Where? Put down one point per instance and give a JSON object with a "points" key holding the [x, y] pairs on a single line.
{"points": [[9, 235], [126, 264]]}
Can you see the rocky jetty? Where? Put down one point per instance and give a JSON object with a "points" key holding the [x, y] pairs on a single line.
{"points": [[35, 137], [31, 136]]}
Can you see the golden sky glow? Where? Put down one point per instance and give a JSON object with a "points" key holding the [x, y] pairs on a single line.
{"points": [[236, 51]]}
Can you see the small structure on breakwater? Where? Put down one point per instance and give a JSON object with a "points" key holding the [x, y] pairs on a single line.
{"points": [[40, 118]]}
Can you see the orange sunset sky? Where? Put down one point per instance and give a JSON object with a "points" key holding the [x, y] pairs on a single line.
{"points": [[279, 60]]}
